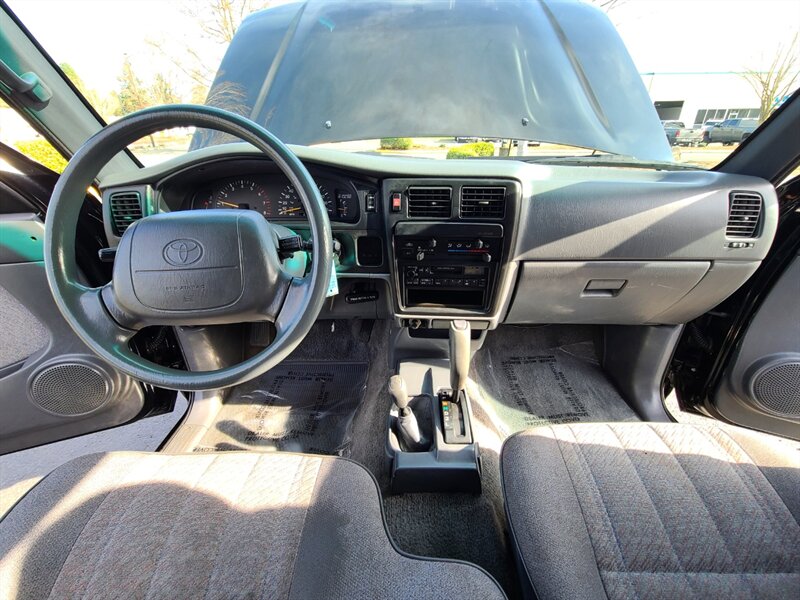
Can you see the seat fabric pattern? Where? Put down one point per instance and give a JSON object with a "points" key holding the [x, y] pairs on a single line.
{"points": [[234, 525], [635, 510]]}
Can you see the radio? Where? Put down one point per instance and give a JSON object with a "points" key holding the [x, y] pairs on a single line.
{"points": [[446, 276], [444, 265]]}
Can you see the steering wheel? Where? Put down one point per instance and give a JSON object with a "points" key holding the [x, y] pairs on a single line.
{"points": [[188, 267]]}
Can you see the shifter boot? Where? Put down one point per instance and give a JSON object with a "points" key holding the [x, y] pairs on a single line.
{"points": [[408, 429]]}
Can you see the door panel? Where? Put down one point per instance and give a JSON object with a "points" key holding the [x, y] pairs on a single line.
{"points": [[761, 385], [51, 385]]}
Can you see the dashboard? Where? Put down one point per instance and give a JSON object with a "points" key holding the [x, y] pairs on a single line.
{"points": [[501, 241]]}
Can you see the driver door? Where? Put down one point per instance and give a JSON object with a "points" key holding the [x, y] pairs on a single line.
{"points": [[51, 385]]}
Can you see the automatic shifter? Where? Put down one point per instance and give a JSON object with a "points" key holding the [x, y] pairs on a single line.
{"points": [[455, 415], [407, 426], [459, 356]]}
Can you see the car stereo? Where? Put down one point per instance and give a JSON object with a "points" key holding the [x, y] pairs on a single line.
{"points": [[447, 265]]}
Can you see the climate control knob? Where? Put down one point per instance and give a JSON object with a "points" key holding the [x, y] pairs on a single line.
{"points": [[487, 258], [420, 256]]}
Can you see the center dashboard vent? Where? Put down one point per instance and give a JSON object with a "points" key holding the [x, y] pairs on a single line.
{"points": [[430, 202], [126, 208], [483, 202], [744, 215]]}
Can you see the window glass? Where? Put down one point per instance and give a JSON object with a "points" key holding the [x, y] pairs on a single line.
{"points": [[178, 57], [16, 133]]}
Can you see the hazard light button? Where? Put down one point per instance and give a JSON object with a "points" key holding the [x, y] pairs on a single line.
{"points": [[397, 202]]}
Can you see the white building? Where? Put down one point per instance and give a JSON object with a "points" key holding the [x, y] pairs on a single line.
{"points": [[693, 98]]}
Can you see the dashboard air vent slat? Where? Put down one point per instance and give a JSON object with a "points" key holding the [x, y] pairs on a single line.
{"points": [[744, 215], [483, 202], [125, 208], [430, 202]]}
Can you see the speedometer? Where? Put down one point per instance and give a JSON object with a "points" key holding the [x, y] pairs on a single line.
{"points": [[289, 203]]}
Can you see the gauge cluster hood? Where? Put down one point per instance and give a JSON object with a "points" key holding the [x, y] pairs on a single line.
{"points": [[331, 71]]}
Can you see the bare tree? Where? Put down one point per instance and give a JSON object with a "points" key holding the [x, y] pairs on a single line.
{"points": [[218, 20], [607, 5], [774, 84]]}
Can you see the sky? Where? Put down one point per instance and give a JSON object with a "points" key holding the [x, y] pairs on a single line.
{"points": [[661, 35]]}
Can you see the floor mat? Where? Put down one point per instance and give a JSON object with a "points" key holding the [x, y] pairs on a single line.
{"points": [[455, 526], [557, 379], [295, 407]]}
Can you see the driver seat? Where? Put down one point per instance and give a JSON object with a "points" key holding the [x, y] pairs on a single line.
{"points": [[216, 525]]}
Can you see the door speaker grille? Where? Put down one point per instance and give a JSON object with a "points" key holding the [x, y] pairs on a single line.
{"points": [[777, 388], [70, 389]]}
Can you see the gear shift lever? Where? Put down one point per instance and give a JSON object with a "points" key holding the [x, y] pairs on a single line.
{"points": [[455, 414], [459, 355], [407, 426]]}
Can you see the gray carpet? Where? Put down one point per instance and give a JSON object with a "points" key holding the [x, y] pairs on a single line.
{"points": [[532, 376], [296, 407]]}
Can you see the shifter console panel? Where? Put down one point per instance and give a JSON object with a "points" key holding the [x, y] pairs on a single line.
{"points": [[457, 428], [447, 265]]}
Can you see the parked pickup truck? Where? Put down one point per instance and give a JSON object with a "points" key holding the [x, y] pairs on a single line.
{"points": [[671, 128], [696, 136], [731, 131]]}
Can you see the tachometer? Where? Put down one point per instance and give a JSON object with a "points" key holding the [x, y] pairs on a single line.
{"points": [[243, 193]]}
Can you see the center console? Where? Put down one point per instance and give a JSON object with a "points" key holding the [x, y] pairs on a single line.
{"points": [[450, 243], [430, 443]]}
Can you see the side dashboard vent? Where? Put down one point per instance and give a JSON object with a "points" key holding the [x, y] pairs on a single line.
{"points": [[744, 215], [483, 202], [430, 202], [125, 207]]}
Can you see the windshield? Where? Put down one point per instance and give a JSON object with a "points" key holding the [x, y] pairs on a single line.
{"points": [[438, 79]]}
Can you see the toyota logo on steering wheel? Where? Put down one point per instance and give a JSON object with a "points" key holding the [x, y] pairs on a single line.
{"points": [[181, 253]]}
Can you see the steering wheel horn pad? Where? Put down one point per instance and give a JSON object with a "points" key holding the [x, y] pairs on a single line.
{"points": [[186, 268], [197, 268]]}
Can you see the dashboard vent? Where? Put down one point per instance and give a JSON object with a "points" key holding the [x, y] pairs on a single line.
{"points": [[744, 215], [125, 207], [430, 202], [483, 202]]}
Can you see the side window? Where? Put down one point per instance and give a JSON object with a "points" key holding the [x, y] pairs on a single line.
{"points": [[17, 134]]}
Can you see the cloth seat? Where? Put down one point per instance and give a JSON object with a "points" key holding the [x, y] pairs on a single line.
{"points": [[641, 510], [227, 525]]}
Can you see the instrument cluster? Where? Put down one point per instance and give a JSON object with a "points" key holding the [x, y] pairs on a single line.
{"points": [[276, 198]]}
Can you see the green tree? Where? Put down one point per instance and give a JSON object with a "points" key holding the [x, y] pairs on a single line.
{"points": [[132, 94], [72, 75], [162, 91]]}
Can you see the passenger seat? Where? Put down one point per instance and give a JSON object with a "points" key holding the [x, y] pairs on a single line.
{"points": [[641, 510]]}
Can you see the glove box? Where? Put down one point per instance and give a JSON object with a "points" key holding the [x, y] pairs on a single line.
{"points": [[599, 292]]}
